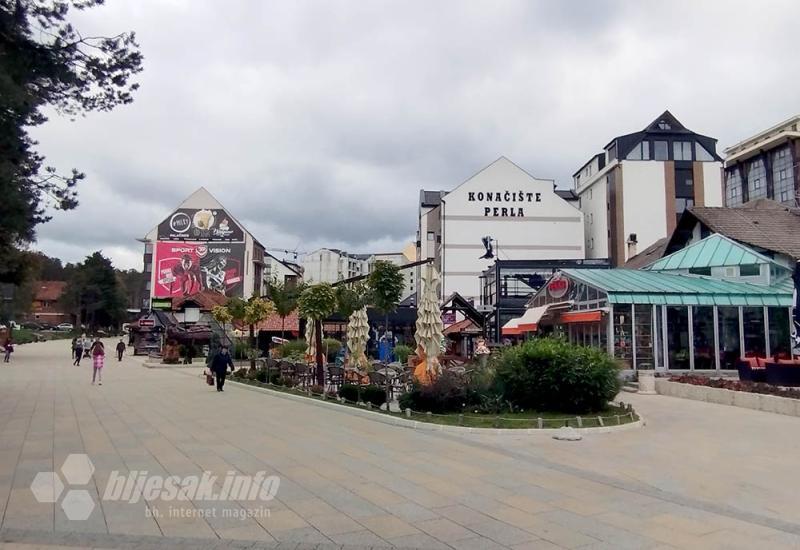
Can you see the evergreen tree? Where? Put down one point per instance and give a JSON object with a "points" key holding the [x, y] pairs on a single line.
{"points": [[46, 63]]}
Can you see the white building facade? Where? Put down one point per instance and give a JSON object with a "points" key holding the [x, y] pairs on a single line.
{"points": [[500, 212], [633, 193], [328, 265]]}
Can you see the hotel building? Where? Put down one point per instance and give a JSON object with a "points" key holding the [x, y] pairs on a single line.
{"points": [[633, 193], [765, 166], [502, 212]]}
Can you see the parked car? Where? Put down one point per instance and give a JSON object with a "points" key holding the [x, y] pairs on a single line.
{"points": [[32, 326], [65, 327]]}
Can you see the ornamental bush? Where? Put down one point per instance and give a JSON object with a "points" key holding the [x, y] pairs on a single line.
{"points": [[549, 374], [448, 393], [293, 347]]}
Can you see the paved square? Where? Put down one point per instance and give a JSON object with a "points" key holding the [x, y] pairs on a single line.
{"points": [[697, 476]]}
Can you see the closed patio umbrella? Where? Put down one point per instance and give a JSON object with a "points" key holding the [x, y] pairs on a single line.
{"points": [[357, 336], [429, 328], [311, 341]]}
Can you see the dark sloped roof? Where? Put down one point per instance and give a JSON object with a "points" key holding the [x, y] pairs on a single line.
{"points": [[430, 198], [763, 223], [567, 194], [647, 256]]}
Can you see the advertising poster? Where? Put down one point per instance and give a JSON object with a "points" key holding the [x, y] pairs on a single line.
{"points": [[183, 269], [193, 224]]}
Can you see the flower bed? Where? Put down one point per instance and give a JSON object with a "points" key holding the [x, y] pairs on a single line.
{"points": [[613, 415], [736, 385]]}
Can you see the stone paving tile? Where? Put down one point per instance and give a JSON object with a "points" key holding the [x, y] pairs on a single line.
{"points": [[359, 538], [478, 543], [334, 524], [388, 526], [538, 544], [445, 530], [420, 540]]}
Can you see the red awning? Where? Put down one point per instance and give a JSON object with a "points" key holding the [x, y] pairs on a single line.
{"points": [[581, 316]]}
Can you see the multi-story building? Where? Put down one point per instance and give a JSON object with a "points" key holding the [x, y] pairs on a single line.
{"points": [[633, 193], [407, 256], [328, 265], [765, 166], [200, 247], [502, 212], [283, 271]]}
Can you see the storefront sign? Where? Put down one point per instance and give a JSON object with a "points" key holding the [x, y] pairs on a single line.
{"points": [[558, 286], [184, 269], [147, 323], [161, 304], [511, 202], [448, 317], [200, 225]]}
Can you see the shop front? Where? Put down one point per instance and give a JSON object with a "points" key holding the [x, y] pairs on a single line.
{"points": [[666, 321]]}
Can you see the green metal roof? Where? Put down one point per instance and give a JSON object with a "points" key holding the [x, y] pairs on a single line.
{"points": [[714, 251], [631, 286]]}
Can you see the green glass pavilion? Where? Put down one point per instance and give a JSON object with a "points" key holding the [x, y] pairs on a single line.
{"points": [[701, 308]]}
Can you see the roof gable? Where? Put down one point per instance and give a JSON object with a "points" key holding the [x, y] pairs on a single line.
{"points": [[714, 251], [666, 122]]}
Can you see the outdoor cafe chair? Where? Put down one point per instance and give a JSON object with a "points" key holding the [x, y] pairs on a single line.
{"points": [[302, 374], [335, 376]]}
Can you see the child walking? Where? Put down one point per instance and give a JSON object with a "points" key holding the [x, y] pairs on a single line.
{"points": [[98, 360]]}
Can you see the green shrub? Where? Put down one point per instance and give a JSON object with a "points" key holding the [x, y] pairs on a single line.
{"points": [[317, 390], [239, 350], [261, 375], [448, 393], [333, 346], [293, 347], [241, 373], [401, 353], [549, 374], [349, 392], [275, 378], [286, 382], [373, 394]]}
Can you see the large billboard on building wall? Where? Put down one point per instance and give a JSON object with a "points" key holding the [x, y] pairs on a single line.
{"points": [[184, 268], [200, 224]]}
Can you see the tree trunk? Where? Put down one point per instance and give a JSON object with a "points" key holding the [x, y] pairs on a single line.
{"points": [[252, 347], [320, 367]]}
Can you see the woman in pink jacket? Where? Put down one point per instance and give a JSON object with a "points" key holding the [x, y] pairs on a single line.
{"points": [[98, 361]]}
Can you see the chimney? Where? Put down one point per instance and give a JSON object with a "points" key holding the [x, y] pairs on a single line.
{"points": [[632, 242]]}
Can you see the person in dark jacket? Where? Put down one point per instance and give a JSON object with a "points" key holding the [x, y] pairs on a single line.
{"points": [[219, 366], [120, 349]]}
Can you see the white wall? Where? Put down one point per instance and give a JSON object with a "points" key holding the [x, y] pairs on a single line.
{"points": [[712, 184], [544, 226], [594, 206], [644, 202]]}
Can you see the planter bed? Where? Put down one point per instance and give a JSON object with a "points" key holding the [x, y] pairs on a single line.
{"points": [[749, 395], [613, 416]]}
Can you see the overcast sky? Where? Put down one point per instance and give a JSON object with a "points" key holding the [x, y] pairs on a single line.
{"points": [[317, 123]]}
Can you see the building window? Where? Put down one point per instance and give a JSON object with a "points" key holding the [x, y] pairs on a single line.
{"points": [[591, 218], [430, 235], [682, 204], [733, 187], [755, 180], [660, 150], [682, 150], [591, 243], [783, 176], [701, 153], [664, 125], [749, 270], [590, 194], [700, 270], [641, 151]]}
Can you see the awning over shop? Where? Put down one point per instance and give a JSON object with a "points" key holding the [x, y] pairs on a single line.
{"points": [[582, 316], [527, 322]]}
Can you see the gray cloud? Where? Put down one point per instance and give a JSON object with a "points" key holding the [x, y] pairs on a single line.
{"points": [[318, 123]]}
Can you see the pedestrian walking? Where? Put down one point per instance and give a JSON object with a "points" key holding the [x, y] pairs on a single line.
{"points": [[219, 366], [72, 348], [98, 361], [80, 343], [8, 347], [120, 349]]}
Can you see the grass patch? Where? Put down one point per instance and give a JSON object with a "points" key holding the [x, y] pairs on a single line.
{"points": [[612, 416]]}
